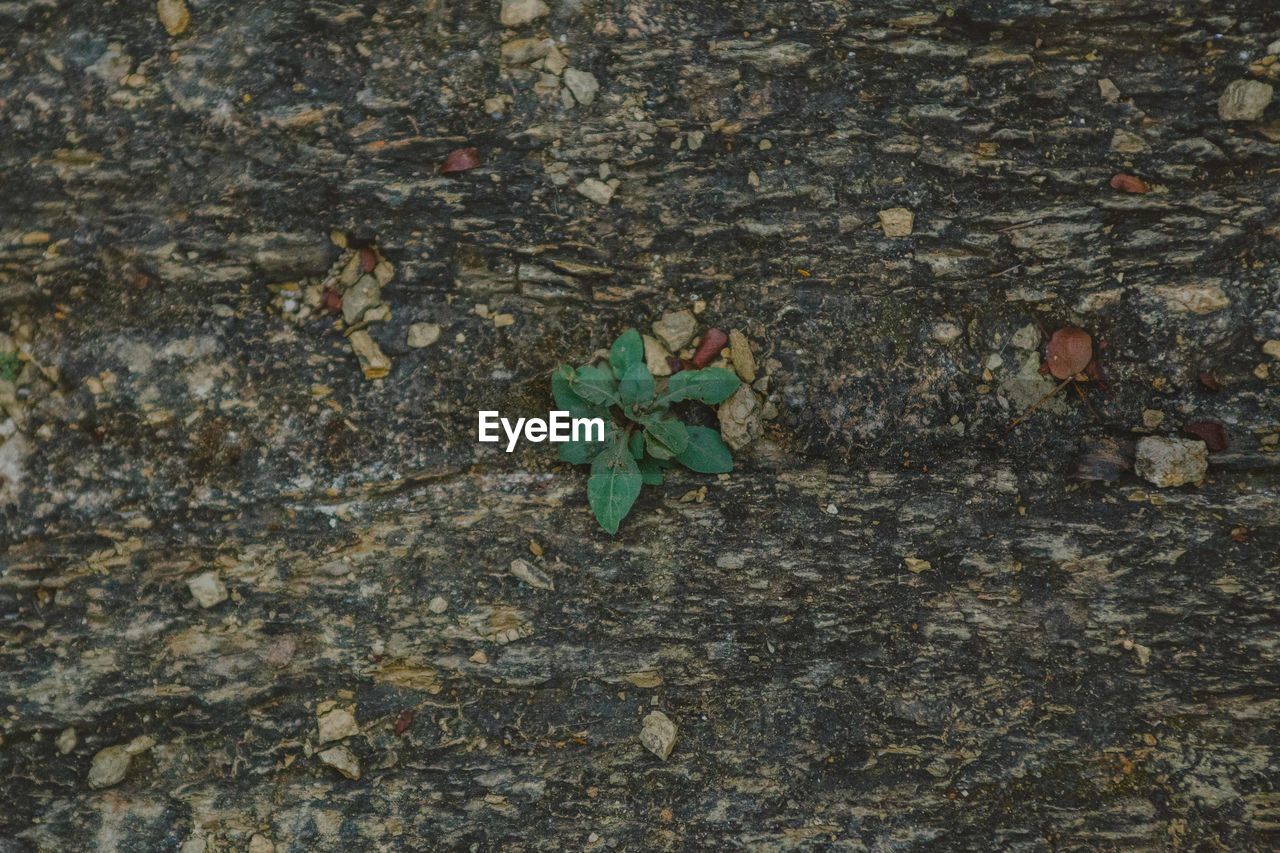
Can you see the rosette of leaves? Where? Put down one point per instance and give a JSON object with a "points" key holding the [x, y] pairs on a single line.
{"points": [[642, 436]]}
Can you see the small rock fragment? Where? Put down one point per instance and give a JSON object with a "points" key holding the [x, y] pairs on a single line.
{"points": [[373, 363], [338, 724], [596, 190], [915, 565], [259, 843], [1272, 348], [365, 294], [198, 844], [582, 84], [1244, 100], [1124, 142], [173, 16], [67, 740], [897, 222], [741, 419], [675, 329], [343, 760], [517, 13], [112, 763], [1108, 90], [744, 363], [655, 356], [438, 605], [1171, 461], [1028, 337], [423, 335], [945, 333], [109, 767], [522, 51], [1199, 298], [207, 589], [658, 734], [532, 575]]}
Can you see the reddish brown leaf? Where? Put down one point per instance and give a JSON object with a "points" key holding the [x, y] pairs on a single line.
{"points": [[403, 722], [1208, 380], [460, 160], [1129, 184], [368, 259], [1069, 352], [713, 341], [1212, 433]]}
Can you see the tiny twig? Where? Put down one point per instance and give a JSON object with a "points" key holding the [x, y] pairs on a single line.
{"points": [[1022, 417], [1092, 410]]}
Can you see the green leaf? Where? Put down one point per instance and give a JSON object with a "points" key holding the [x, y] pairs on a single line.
{"points": [[636, 445], [671, 432], [650, 472], [613, 486], [710, 385], [656, 448], [580, 452], [706, 453], [569, 400], [626, 351], [595, 384], [636, 385]]}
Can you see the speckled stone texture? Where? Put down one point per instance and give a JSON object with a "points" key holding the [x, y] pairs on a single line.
{"points": [[897, 625]]}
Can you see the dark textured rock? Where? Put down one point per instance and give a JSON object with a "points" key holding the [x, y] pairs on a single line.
{"points": [[1082, 665]]}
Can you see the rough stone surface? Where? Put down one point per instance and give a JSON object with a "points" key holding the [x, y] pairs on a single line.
{"points": [[897, 222], [1087, 665], [109, 767], [341, 759], [597, 191], [740, 418], [675, 329], [207, 589], [517, 13], [658, 734], [423, 335], [337, 724], [1244, 100], [582, 84], [1171, 461]]}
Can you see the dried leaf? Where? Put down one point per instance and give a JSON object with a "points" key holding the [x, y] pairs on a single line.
{"points": [[1129, 184], [1212, 433], [1209, 381], [713, 341], [1069, 352], [403, 721], [460, 160]]}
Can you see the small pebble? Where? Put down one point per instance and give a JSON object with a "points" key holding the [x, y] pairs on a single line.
{"points": [[658, 734], [207, 589], [1171, 461]]}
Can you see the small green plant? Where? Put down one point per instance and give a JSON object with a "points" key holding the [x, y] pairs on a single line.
{"points": [[642, 437], [10, 366]]}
